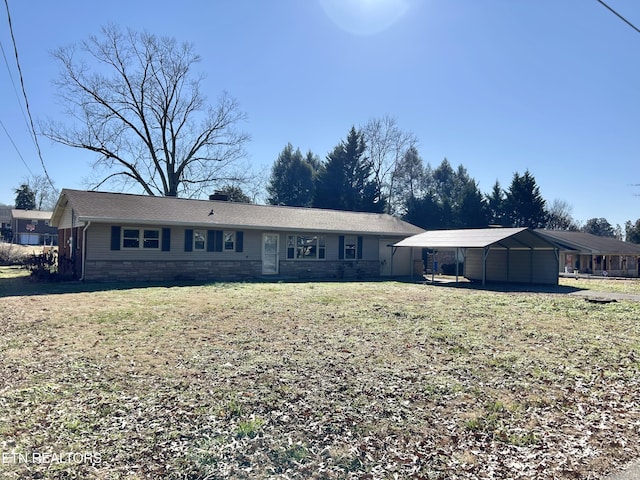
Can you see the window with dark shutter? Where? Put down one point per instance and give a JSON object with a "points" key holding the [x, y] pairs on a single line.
{"points": [[188, 240], [166, 239], [211, 240], [239, 241], [115, 237], [219, 241]]}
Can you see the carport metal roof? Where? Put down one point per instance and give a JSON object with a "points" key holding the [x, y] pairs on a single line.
{"points": [[510, 238], [521, 238]]}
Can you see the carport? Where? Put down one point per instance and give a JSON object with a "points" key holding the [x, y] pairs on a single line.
{"points": [[517, 255]]}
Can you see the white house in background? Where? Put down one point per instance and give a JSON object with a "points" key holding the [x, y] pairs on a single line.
{"points": [[586, 253]]}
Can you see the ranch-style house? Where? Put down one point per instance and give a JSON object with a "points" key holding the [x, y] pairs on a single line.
{"points": [[123, 237]]}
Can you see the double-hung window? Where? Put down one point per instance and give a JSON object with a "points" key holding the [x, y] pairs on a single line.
{"points": [[140, 238], [350, 247], [306, 247], [229, 241], [199, 239]]}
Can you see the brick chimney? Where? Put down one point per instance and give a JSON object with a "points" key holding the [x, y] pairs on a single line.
{"points": [[219, 196]]}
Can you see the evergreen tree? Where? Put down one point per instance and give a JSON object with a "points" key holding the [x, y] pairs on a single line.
{"points": [[525, 207], [409, 180], [25, 198], [472, 210], [292, 180], [235, 194], [632, 231], [599, 226], [425, 212], [496, 204], [344, 182]]}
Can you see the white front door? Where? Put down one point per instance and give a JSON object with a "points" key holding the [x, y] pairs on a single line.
{"points": [[270, 253], [385, 254]]}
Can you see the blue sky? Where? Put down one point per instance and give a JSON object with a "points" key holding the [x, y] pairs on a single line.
{"points": [[499, 86]]}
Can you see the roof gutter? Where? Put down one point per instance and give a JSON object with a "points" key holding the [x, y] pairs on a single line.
{"points": [[84, 248], [231, 226]]}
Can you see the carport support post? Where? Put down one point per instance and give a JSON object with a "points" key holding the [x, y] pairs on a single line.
{"points": [[433, 267], [456, 260], [484, 265], [411, 266]]}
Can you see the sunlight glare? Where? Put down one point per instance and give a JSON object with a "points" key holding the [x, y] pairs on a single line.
{"points": [[364, 17]]}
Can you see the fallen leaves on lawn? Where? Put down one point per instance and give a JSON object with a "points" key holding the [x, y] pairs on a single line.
{"points": [[315, 381]]}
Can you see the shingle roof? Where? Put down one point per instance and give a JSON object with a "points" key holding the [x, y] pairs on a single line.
{"points": [[141, 209], [590, 244], [514, 238], [30, 214]]}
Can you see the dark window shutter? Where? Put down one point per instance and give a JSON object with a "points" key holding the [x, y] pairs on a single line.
{"points": [[218, 243], [166, 239], [188, 240], [239, 241], [359, 248], [211, 240], [341, 248], [115, 238]]}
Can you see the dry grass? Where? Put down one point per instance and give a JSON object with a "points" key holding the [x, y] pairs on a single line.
{"points": [[317, 380]]}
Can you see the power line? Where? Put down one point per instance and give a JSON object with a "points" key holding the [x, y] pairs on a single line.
{"points": [[619, 16], [26, 100], [15, 146], [13, 84]]}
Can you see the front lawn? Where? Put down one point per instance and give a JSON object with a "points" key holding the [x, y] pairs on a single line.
{"points": [[317, 380]]}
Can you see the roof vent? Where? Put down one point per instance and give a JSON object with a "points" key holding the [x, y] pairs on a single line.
{"points": [[219, 196]]}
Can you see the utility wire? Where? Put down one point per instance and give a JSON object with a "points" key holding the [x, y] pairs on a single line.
{"points": [[14, 146], [619, 16], [26, 100], [13, 84]]}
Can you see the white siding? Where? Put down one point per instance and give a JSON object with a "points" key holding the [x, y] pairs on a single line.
{"points": [[99, 247], [517, 266], [66, 221]]}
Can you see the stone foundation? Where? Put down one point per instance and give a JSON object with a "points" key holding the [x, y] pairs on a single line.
{"points": [[325, 270], [211, 271], [169, 271]]}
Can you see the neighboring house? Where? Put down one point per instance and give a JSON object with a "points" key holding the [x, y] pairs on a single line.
{"points": [[586, 253], [5, 223], [112, 236], [31, 227], [506, 255]]}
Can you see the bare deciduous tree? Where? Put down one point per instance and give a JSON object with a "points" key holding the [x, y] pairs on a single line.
{"points": [[386, 146], [138, 105], [559, 216], [44, 191]]}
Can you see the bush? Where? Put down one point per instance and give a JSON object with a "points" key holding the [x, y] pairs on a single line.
{"points": [[450, 268], [11, 254], [42, 266]]}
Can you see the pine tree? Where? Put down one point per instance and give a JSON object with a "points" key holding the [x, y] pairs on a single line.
{"points": [[525, 207], [599, 226], [292, 180], [344, 182], [496, 204], [25, 198]]}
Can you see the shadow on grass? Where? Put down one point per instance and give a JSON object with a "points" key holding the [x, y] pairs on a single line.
{"points": [[15, 281], [501, 287]]}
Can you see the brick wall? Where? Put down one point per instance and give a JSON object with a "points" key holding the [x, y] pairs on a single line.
{"points": [[330, 270], [145, 270]]}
